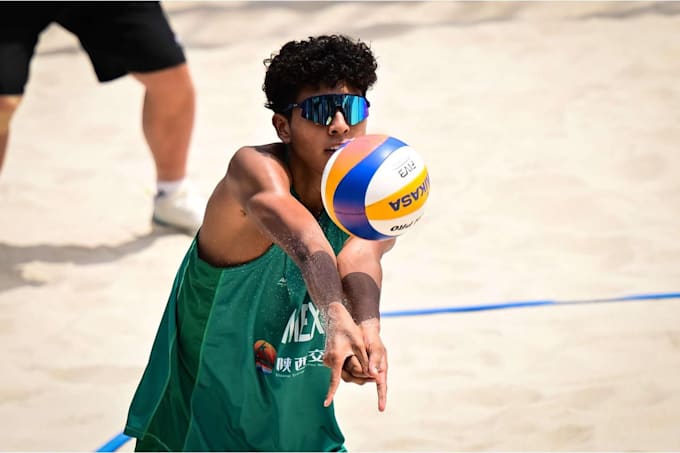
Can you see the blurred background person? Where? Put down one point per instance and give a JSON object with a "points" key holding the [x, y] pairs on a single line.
{"points": [[119, 38]]}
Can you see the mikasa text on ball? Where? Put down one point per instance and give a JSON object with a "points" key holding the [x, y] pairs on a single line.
{"points": [[375, 187]]}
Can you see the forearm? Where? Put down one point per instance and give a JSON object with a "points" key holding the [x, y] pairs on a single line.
{"points": [[361, 274], [320, 273], [318, 266], [361, 283], [297, 233], [362, 294]]}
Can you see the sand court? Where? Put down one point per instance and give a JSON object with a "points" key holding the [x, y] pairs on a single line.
{"points": [[551, 134]]}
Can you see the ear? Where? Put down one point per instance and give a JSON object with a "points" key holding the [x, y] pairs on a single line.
{"points": [[282, 126]]}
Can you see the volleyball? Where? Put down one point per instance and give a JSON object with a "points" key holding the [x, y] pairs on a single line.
{"points": [[375, 187]]}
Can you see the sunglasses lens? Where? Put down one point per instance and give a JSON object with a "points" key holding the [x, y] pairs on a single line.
{"points": [[355, 109], [315, 109], [321, 109]]}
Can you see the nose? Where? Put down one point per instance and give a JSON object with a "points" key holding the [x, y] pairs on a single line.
{"points": [[338, 124]]}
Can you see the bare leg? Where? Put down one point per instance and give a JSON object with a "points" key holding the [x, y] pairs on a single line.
{"points": [[8, 105], [168, 119], [3, 147]]}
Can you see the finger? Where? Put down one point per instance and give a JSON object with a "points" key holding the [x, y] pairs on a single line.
{"points": [[376, 357], [336, 371], [353, 366], [381, 384], [347, 377], [359, 380], [362, 356]]}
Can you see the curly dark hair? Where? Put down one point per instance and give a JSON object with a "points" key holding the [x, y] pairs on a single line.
{"points": [[319, 61]]}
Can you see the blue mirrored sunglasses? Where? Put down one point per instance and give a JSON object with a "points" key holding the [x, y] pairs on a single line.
{"points": [[321, 109]]}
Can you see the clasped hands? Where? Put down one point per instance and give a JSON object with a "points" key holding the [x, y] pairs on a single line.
{"points": [[354, 353]]}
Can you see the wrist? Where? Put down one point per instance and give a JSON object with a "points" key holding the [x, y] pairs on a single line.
{"points": [[370, 325], [335, 311]]}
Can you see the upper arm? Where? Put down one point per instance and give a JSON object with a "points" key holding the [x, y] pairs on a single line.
{"points": [[261, 185], [362, 255]]}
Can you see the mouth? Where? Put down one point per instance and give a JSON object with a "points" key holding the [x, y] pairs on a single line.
{"points": [[332, 149], [337, 146]]}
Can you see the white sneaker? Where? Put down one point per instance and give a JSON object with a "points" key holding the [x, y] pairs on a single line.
{"points": [[182, 209]]}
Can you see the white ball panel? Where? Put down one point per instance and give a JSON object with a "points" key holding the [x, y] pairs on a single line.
{"points": [[399, 169], [397, 226]]}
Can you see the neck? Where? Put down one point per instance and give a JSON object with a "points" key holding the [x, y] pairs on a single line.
{"points": [[309, 193], [307, 185]]}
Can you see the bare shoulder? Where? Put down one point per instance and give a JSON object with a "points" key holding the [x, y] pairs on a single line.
{"points": [[257, 161], [228, 236]]}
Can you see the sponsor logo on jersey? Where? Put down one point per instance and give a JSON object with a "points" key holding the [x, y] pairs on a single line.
{"points": [[265, 356], [302, 325]]}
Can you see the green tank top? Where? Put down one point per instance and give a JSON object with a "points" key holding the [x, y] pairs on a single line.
{"points": [[237, 363]]}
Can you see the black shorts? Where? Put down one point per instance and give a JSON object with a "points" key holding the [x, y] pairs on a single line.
{"points": [[119, 37]]}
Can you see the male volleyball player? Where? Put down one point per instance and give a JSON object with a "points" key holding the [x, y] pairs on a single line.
{"points": [[271, 290]]}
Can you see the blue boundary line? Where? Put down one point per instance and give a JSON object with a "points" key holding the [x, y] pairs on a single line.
{"points": [[121, 439], [525, 303], [115, 443], [463, 309]]}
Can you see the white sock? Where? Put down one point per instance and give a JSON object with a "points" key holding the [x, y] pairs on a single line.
{"points": [[168, 187]]}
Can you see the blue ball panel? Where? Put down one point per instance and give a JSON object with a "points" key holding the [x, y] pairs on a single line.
{"points": [[358, 225], [350, 194]]}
